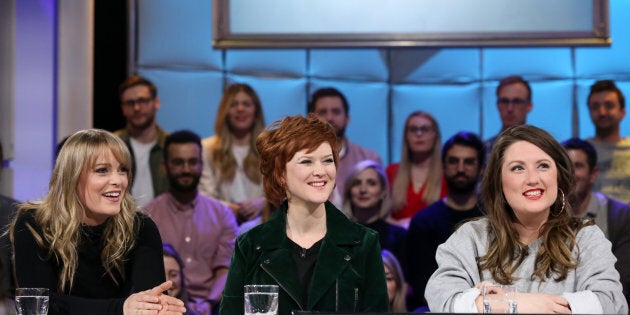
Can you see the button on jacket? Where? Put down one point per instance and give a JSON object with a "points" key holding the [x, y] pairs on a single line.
{"points": [[348, 276]]}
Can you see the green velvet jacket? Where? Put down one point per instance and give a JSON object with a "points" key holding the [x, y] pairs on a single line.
{"points": [[348, 276]]}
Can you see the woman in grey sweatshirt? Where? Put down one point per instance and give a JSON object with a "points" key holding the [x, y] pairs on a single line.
{"points": [[528, 239]]}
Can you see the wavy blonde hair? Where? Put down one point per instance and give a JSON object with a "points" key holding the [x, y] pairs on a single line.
{"points": [[505, 253], [220, 151], [59, 215], [433, 186]]}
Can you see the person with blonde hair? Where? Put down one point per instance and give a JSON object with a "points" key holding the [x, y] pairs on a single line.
{"points": [[366, 201], [230, 160], [320, 260], [528, 239], [86, 241], [396, 285], [417, 179]]}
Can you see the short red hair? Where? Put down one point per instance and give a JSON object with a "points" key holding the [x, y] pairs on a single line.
{"points": [[281, 141]]}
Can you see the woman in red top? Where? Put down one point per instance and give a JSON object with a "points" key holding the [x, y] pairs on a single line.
{"points": [[417, 179]]}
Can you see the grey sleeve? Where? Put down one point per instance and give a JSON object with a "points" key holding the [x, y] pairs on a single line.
{"points": [[457, 269], [596, 271]]}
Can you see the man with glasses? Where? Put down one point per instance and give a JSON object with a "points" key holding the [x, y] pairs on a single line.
{"points": [[145, 139], [201, 229], [462, 161], [607, 108], [514, 102]]}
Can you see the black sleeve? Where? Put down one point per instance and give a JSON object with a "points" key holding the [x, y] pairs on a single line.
{"points": [[421, 248], [147, 267]]}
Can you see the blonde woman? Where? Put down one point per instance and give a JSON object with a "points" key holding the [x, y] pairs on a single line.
{"points": [[86, 242], [366, 201], [417, 179], [230, 160], [396, 285]]}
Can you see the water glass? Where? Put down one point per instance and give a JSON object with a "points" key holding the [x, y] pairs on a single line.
{"points": [[261, 299], [31, 301], [499, 299]]}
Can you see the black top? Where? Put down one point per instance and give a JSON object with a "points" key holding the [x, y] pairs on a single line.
{"points": [[392, 238], [428, 229], [93, 290], [8, 207], [305, 259]]}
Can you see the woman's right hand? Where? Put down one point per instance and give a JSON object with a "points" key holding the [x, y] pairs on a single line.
{"points": [[532, 303], [154, 302]]}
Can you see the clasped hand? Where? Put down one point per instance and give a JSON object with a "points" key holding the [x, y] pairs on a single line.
{"points": [[532, 303], [154, 302]]}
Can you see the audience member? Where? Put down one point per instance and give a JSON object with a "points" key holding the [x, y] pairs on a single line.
{"points": [[174, 271], [396, 286], [86, 242], [144, 138], [559, 264], [366, 201], [331, 105], [514, 102], [611, 215], [320, 259], [202, 229], [607, 107], [8, 207], [230, 170], [417, 179], [463, 158]]}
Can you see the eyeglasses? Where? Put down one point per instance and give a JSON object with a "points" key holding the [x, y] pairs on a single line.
{"points": [[505, 102], [420, 129], [141, 101]]}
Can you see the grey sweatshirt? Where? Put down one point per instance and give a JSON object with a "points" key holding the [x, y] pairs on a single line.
{"points": [[593, 287]]}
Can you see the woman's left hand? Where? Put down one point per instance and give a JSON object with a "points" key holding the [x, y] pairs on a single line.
{"points": [[154, 302]]}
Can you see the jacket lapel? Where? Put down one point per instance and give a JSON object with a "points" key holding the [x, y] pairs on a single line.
{"points": [[335, 254]]}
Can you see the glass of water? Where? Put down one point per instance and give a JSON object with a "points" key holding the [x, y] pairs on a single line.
{"points": [[31, 301], [499, 299], [261, 300]]}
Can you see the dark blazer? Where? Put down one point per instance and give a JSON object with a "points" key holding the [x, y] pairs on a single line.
{"points": [[348, 277]]}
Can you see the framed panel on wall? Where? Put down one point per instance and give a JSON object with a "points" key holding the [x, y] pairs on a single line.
{"points": [[409, 23]]}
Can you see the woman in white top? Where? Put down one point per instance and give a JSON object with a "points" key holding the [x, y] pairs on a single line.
{"points": [[230, 160], [558, 263]]}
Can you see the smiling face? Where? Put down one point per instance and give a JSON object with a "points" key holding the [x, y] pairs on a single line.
{"points": [[605, 110], [102, 188], [310, 176], [139, 107], [242, 113], [183, 166], [367, 190], [529, 179], [174, 274]]}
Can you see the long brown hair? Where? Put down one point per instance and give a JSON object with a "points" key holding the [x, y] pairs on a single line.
{"points": [[505, 253], [433, 186], [221, 157], [61, 213]]}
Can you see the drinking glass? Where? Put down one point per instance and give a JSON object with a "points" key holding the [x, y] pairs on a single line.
{"points": [[499, 299], [31, 301], [261, 300]]}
